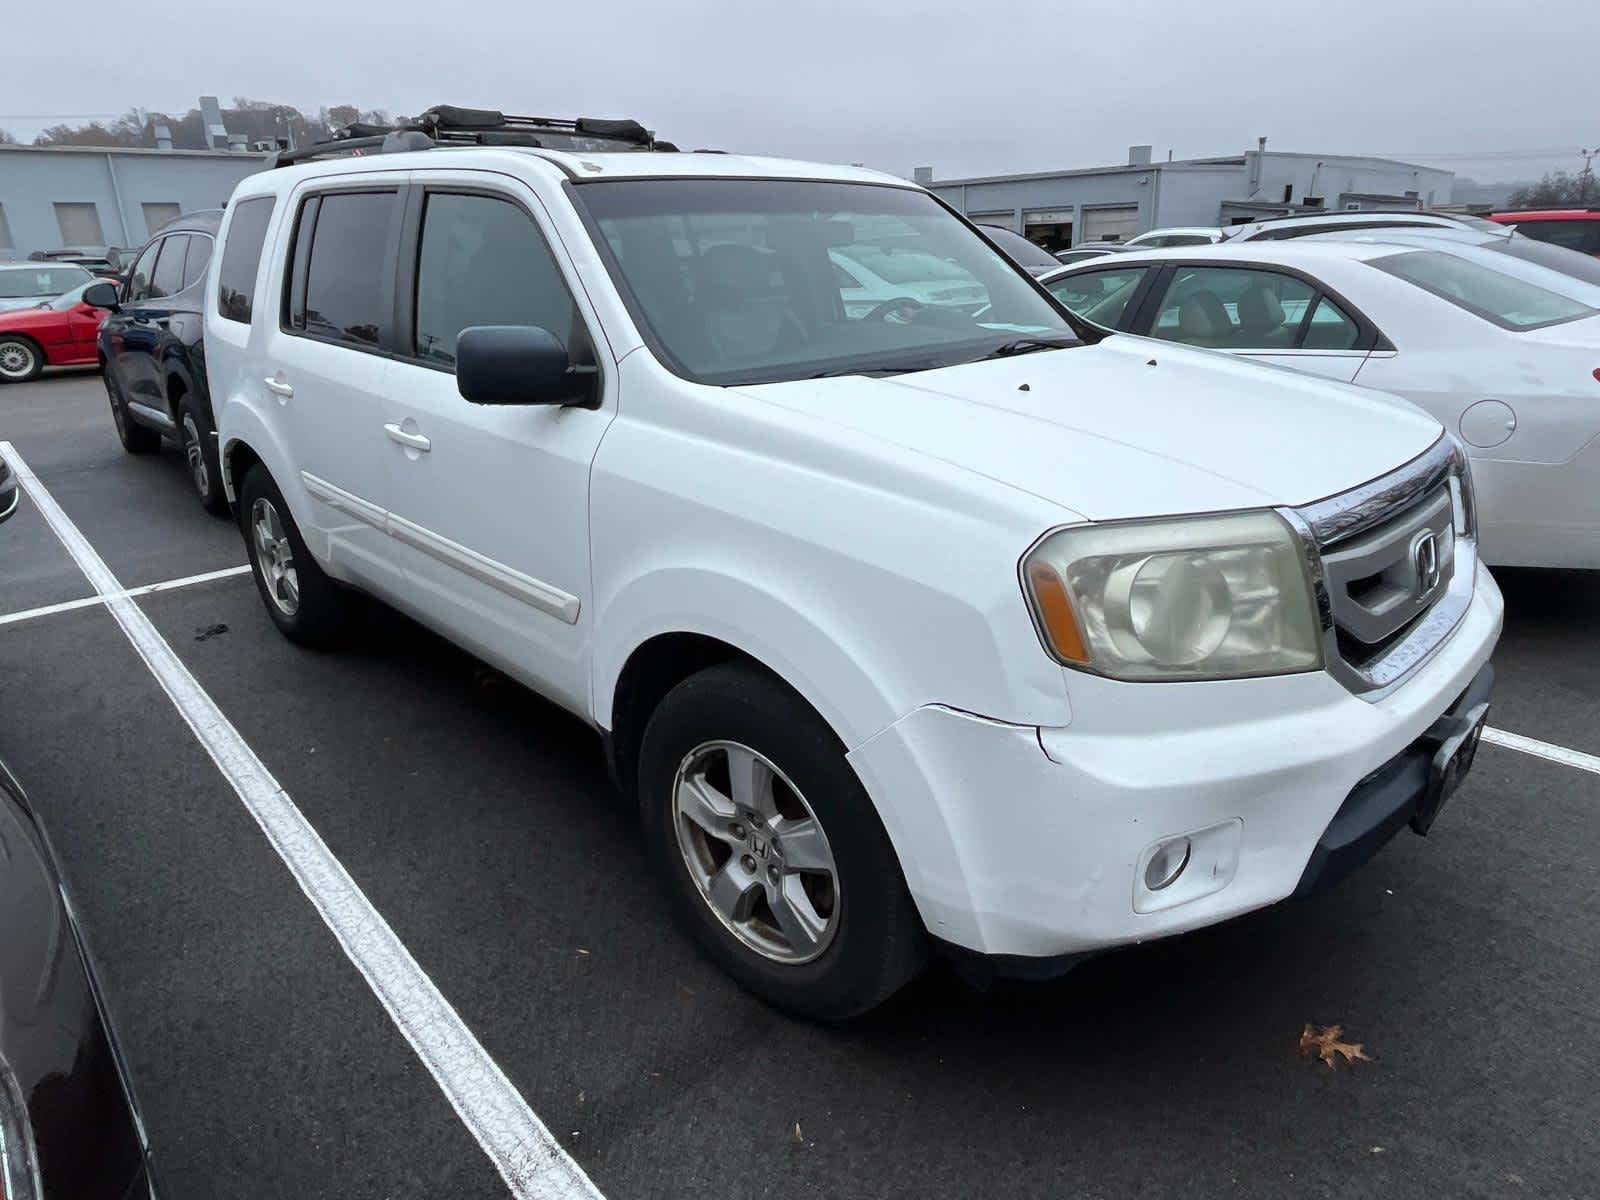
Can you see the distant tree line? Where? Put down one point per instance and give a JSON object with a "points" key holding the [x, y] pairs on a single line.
{"points": [[1558, 189], [257, 120]]}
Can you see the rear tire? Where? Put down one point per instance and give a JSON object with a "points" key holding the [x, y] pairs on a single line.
{"points": [[304, 603], [135, 438], [20, 359], [789, 883], [200, 456]]}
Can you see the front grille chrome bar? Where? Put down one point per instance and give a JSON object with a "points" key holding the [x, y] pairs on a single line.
{"points": [[1411, 493]]}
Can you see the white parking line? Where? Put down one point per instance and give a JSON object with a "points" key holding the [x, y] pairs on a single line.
{"points": [[528, 1157], [166, 585], [1533, 746]]}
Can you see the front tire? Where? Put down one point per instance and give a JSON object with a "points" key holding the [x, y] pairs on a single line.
{"points": [[20, 359], [304, 603], [200, 456], [770, 848]]}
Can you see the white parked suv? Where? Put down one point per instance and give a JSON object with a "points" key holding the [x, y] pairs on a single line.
{"points": [[920, 629]]}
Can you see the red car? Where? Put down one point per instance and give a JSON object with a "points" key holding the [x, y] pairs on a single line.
{"points": [[1574, 228], [59, 333], [56, 333]]}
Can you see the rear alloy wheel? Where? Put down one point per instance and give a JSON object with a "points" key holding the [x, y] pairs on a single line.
{"points": [[304, 603], [20, 360], [200, 453], [136, 439]]}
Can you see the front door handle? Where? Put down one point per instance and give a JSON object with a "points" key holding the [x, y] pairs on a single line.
{"points": [[278, 387], [415, 440]]}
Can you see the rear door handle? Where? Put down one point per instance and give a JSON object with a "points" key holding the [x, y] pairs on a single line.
{"points": [[415, 440], [278, 387]]}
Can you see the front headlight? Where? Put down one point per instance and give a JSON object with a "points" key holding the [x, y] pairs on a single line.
{"points": [[1217, 597]]}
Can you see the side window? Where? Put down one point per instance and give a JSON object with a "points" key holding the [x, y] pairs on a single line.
{"points": [[1232, 309], [344, 293], [1330, 329], [483, 261], [241, 257], [168, 277], [194, 267], [138, 287], [1098, 296]]}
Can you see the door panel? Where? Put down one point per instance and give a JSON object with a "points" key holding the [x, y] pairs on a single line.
{"points": [[492, 511], [132, 332], [326, 374]]}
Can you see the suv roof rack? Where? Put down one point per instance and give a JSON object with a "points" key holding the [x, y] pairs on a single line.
{"points": [[448, 125]]}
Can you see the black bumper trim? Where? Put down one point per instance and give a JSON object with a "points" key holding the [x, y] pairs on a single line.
{"points": [[1393, 796]]}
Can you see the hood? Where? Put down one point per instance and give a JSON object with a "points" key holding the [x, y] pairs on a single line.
{"points": [[1131, 427]]}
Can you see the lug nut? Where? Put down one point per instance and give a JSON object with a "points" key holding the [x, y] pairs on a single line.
{"points": [[772, 874], [736, 829], [748, 863]]}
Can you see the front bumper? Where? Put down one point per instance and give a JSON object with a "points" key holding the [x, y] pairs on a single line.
{"points": [[1033, 843]]}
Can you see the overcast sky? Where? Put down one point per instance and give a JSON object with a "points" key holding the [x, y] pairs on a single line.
{"points": [[1483, 89]]}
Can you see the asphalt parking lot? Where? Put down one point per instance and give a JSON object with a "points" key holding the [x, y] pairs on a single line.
{"points": [[477, 820]]}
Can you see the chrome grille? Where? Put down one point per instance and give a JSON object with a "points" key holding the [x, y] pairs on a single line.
{"points": [[1391, 582]]}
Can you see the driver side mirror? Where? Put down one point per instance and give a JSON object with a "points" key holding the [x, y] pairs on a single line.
{"points": [[521, 364], [101, 295]]}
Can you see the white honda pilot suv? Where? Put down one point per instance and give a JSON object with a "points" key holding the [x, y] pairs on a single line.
{"points": [[929, 627]]}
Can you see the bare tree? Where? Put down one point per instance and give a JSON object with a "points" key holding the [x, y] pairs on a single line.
{"points": [[6, 139], [1558, 189]]}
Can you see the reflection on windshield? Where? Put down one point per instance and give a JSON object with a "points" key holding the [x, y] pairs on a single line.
{"points": [[754, 281]]}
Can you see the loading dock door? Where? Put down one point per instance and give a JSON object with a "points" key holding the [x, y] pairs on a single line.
{"points": [[1110, 224], [1050, 228]]}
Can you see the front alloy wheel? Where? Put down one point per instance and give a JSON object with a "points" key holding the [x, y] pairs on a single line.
{"points": [[275, 557], [756, 851], [19, 361]]}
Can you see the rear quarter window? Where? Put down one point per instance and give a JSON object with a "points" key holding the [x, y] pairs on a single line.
{"points": [[241, 257]]}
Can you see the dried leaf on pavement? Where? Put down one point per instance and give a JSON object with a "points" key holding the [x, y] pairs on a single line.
{"points": [[797, 1137], [1325, 1044]]}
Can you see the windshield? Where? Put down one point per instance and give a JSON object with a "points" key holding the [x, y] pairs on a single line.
{"points": [[19, 283], [1507, 302], [1556, 258], [68, 299], [738, 281]]}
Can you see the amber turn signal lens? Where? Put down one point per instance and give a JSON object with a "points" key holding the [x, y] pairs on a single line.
{"points": [[1056, 615]]}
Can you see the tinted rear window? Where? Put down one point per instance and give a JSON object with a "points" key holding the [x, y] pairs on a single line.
{"points": [[1507, 302], [1557, 258], [241, 257], [345, 297]]}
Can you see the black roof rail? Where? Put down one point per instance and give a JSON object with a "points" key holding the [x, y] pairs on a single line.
{"points": [[449, 125], [1347, 213]]}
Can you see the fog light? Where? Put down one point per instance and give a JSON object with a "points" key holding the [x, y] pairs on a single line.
{"points": [[1166, 864]]}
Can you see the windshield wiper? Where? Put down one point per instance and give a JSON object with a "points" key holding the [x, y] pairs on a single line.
{"points": [[903, 369], [1028, 345]]}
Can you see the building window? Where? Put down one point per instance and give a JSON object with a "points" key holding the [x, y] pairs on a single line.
{"points": [[157, 214], [5, 231], [80, 224]]}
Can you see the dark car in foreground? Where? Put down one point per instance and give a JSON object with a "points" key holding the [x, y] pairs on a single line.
{"points": [[151, 352], [69, 1127], [1032, 258]]}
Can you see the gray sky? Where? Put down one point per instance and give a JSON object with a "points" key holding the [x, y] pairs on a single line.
{"points": [[891, 83]]}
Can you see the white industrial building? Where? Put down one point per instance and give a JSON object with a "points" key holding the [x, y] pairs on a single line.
{"points": [[59, 196], [1065, 208]]}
